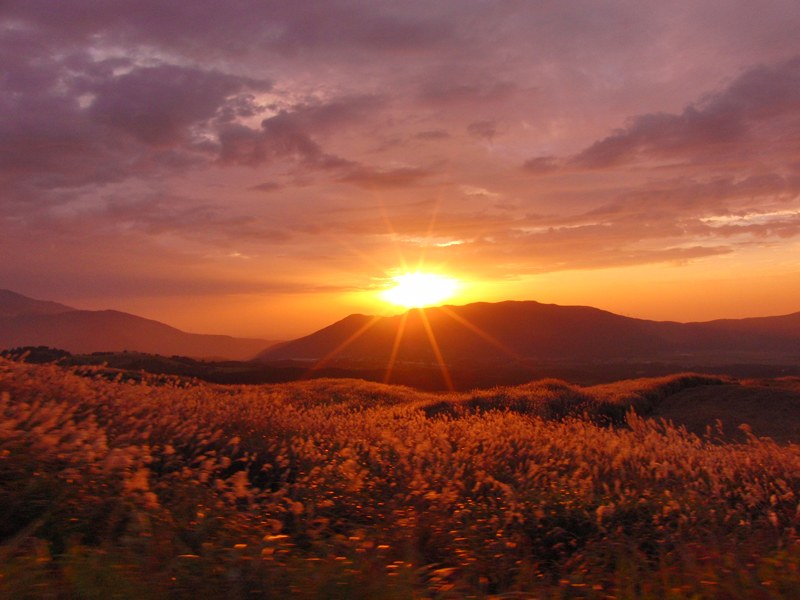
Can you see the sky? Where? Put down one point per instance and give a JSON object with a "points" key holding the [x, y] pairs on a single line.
{"points": [[264, 168]]}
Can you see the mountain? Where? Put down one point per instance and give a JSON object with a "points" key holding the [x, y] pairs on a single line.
{"points": [[521, 332], [28, 322], [15, 305]]}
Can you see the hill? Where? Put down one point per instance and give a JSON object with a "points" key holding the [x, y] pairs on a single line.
{"points": [[15, 305], [508, 332], [765, 407], [28, 322]]}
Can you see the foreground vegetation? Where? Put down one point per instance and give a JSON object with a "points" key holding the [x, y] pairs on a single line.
{"points": [[163, 488]]}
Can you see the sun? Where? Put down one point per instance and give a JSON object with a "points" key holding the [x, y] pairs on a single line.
{"points": [[416, 290]]}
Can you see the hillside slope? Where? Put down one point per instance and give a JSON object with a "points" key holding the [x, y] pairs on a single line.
{"points": [[524, 331], [13, 304], [28, 322]]}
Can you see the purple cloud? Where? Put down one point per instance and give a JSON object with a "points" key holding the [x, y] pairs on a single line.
{"points": [[484, 130], [433, 134], [267, 186], [291, 133], [721, 123], [158, 105], [541, 164], [369, 178], [215, 28]]}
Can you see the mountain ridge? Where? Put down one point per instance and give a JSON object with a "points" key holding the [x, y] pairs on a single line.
{"points": [[28, 322], [13, 304], [530, 330], [507, 332]]}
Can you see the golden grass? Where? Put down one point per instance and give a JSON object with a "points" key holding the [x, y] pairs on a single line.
{"points": [[347, 489]]}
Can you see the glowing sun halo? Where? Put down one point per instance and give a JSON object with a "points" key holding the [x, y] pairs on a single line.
{"points": [[415, 290]]}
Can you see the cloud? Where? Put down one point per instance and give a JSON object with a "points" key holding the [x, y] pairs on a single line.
{"points": [[333, 114], [778, 225], [158, 105], [210, 224], [691, 196], [662, 135], [678, 211], [290, 134], [76, 120], [369, 178], [518, 249], [413, 223], [433, 134], [242, 145], [721, 123], [270, 24], [129, 279], [267, 186], [541, 164], [484, 130], [451, 90]]}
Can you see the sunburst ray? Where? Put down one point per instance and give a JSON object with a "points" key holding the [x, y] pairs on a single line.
{"points": [[396, 347], [352, 338], [436, 350], [478, 331]]}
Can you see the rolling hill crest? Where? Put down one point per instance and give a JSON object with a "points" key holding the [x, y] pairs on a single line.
{"points": [[524, 331], [28, 322]]}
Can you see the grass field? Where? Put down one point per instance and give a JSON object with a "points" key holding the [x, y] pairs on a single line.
{"points": [[167, 488]]}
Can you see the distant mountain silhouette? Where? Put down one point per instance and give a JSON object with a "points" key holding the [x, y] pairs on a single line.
{"points": [[15, 305], [530, 331], [28, 322]]}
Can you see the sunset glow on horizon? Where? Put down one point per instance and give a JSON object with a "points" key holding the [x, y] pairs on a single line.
{"points": [[263, 170], [417, 290]]}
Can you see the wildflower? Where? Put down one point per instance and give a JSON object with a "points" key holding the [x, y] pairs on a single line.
{"points": [[137, 481], [605, 512], [239, 484], [773, 518]]}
